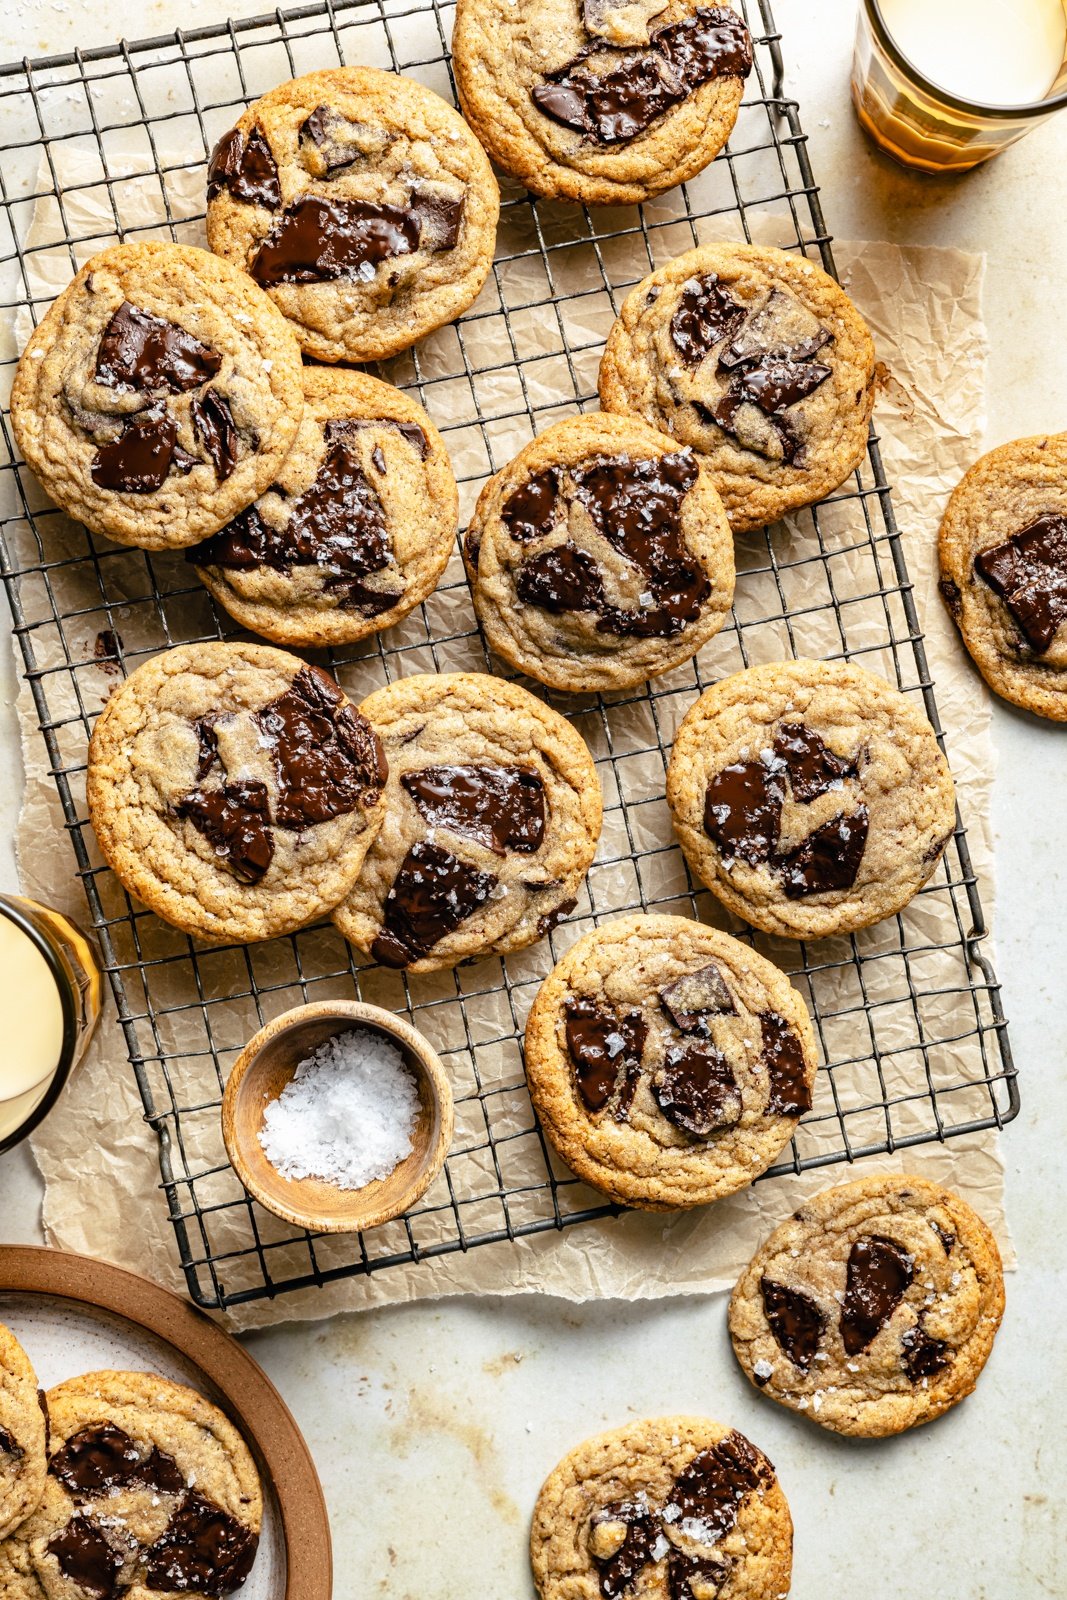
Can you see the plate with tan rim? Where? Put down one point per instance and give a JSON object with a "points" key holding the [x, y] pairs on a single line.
{"points": [[73, 1315]]}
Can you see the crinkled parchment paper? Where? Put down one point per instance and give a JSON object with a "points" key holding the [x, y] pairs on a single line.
{"points": [[99, 1158]]}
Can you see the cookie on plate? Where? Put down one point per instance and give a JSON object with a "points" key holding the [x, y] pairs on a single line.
{"points": [[361, 203], [159, 396], [810, 797], [676, 1506], [1004, 570], [873, 1309], [234, 790], [603, 101], [492, 816], [150, 1489], [668, 1062], [600, 557], [23, 1435], [356, 529], [757, 359]]}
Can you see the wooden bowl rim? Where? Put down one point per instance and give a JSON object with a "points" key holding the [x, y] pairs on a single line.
{"points": [[344, 1011]]}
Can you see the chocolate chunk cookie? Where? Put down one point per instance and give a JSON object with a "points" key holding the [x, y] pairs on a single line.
{"points": [[159, 396], [1004, 571], [150, 1490], [23, 1435], [678, 1508], [492, 816], [669, 1063], [810, 797], [357, 528], [600, 557], [603, 101], [873, 1309], [361, 203], [234, 790], [756, 359]]}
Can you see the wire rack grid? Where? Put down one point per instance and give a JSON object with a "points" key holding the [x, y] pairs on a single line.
{"points": [[110, 143]]}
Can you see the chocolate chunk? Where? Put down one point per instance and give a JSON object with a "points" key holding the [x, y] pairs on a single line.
{"points": [[812, 766], [774, 385], [695, 996], [950, 593], [829, 859], [440, 217], [552, 919], [696, 1090], [103, 1457], [213, 425], [878, 1276], [795, 1320], [9, 1445], [83, 1554], [611, 95], [707, 313], [783, 1057], [948, 1239], [707, 1495], [1029, 573], [329, 142], [315, 240], [923, 1356], [202, 1548], [247, 169], [694, 1577], [431, 895], [248, 541], [561, 579], [639, 1527], [743, 811], [139, 351], [137, 462], [602, 1043], [501, 808], [410, 432], [235, 820], [530, 512], [781, 329], [326, 755]]}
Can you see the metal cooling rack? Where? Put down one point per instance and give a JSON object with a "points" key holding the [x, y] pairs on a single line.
{"points": [[912, 1034]]}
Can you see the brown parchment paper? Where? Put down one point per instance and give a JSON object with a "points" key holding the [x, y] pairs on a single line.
{"points": [[98, 1157]]}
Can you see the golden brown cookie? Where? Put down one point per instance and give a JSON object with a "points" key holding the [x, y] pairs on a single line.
{"points": [[757, 359], [159, 396], [603, 101], [356, 529], [600, 557], [678, 1508], [492, 816], [234, 790], [1004, 570], [362, 203], [810, 797], [873, 1308], [23, 1435], [668, 1062], [150, 1490]]}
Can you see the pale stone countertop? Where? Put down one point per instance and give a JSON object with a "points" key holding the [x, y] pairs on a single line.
{"points": [[433, 1425]]}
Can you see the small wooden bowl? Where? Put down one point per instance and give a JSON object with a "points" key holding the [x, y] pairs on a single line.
{"points": [[261, 1072]]}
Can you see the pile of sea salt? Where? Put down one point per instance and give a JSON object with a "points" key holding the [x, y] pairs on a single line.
{"points": [[348, 1114]]}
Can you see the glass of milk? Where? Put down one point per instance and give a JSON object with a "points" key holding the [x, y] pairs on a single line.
{"points": [[944, 84], [49, 1003]]}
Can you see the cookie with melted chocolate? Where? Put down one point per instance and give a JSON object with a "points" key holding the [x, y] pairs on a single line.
{"points": [[361, 203], [608, 102], [492, 816], [676, 1507], [159, 396], [234, 790], [1003, 552], [600, 557], [150, 1488], [669, 1063], [810, 796], [873, 1308], [355, 531], [759, 362], [23, 1435]]}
